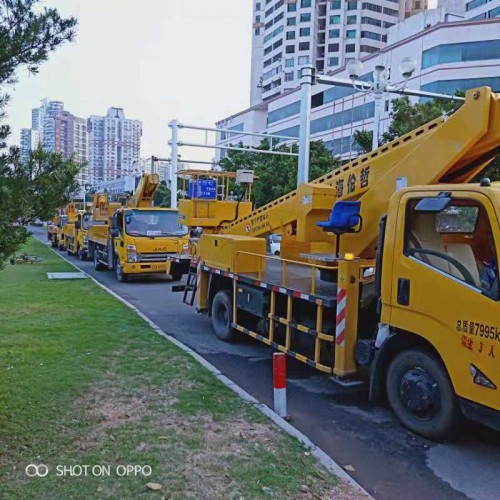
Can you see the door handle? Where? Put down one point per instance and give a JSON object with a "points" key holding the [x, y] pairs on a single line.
{"points": [[404, 291]]}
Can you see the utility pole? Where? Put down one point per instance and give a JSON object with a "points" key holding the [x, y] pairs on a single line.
{"points": [[306, 83], [174, 154]]}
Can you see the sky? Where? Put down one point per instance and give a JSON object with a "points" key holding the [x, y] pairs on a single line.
{"points": [[158, 59]]}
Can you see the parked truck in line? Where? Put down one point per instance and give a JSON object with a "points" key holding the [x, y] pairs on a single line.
{"points": [[76, 235], [134, 239], [388, 273]]}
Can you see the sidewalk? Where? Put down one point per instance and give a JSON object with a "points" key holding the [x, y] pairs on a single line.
{"points": [[114, 410]]}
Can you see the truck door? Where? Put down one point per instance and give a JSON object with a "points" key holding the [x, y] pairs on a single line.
{"points": [[445, 285]]}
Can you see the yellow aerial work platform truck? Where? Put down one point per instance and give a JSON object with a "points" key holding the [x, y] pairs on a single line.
{"points": [[136, 238], [388, 272]]}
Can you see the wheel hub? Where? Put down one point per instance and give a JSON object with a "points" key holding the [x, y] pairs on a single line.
{"points": [[419, 393]]}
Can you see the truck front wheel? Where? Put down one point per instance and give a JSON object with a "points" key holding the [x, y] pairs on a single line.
{"points": [[421, 395], [222, 316], [120, 275]]}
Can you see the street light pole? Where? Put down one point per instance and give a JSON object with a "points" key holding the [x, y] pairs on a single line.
{"points": [[306, 83], [174, 152]]}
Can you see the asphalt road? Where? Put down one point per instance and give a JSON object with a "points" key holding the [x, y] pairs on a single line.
{"points": [[389, 461]]}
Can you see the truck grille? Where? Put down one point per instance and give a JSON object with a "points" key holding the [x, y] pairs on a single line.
{"points": [[153, 257]]}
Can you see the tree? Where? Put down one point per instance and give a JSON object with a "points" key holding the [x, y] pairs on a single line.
{"points": [[162, 195], [407, 117], [28, 35], [277, 175]]}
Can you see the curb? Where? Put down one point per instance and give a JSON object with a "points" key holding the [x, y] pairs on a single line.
{"points": [[315, 451]]}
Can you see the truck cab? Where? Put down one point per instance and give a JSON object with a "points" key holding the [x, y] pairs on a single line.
{"points": [[143, 237], [440, 355]]}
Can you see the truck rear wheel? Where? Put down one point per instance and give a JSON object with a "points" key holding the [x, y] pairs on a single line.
{"points": [[82, 254], [421, 394], [120, 275], [222, 316]]}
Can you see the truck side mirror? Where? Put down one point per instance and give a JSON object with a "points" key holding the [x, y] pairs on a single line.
{"points": [[114, 232], [114, 222]]}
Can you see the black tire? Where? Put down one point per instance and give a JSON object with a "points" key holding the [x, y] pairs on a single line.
{"points": [[97, 264], [120, 275], [422, 396], [277, 253], [222, 316], [176, 276], [53, 243], [82, 254]]}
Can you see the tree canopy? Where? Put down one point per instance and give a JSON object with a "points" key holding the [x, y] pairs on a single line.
{"points": [[277, 175], [407, 117], [28, 34]]}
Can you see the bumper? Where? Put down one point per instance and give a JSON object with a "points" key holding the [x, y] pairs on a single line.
{"points": [[479, 413], [144, 267]]}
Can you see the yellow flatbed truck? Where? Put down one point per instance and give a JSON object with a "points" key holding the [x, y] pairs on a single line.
{"points": [[388, 273], [76, 235], [135, 239]]}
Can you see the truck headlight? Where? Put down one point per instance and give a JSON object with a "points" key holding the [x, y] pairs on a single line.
{"points": [[132, 255]]}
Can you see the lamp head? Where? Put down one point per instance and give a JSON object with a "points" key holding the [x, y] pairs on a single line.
{"points": [[407, 66], [354, 69]]}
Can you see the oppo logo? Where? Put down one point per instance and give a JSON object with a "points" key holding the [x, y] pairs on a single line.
{"points": [[33, 470]]}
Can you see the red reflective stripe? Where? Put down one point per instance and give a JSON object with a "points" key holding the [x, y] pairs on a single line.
{"points": [[340, 316], [279, 370], [341, 294], [340, 338]]}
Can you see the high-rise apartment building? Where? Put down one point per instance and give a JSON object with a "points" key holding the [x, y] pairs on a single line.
{"points": [[288, 35], [456, 48], [29, 141], [412, 7], [57, 131], [114, 145]]}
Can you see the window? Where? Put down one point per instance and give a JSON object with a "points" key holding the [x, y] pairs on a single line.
{"points": [[290, 49], [335, 4], [371, 35], [457, 241], [257, 6], [304, 31], [351, 20], [304, 46], [368, 49], [352, 5], [391, 12], [474, 4], [305, 3], [350, 34], [370, 20], [461, 52], [333, 47], [371, 6], [291, 21], [303, 60], [289, 63], [350, 48], [290, 35], [335, 19], [289, 76], [305, 18], [451, 86], [291, 7], [333, 61], [334, 33]]}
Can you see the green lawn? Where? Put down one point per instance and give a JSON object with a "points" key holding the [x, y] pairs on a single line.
{"points": [[84, 381]]}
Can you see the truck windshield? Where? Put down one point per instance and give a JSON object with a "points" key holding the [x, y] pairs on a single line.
{"points": [[85, 221], [63, 220], [153, 223]]}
